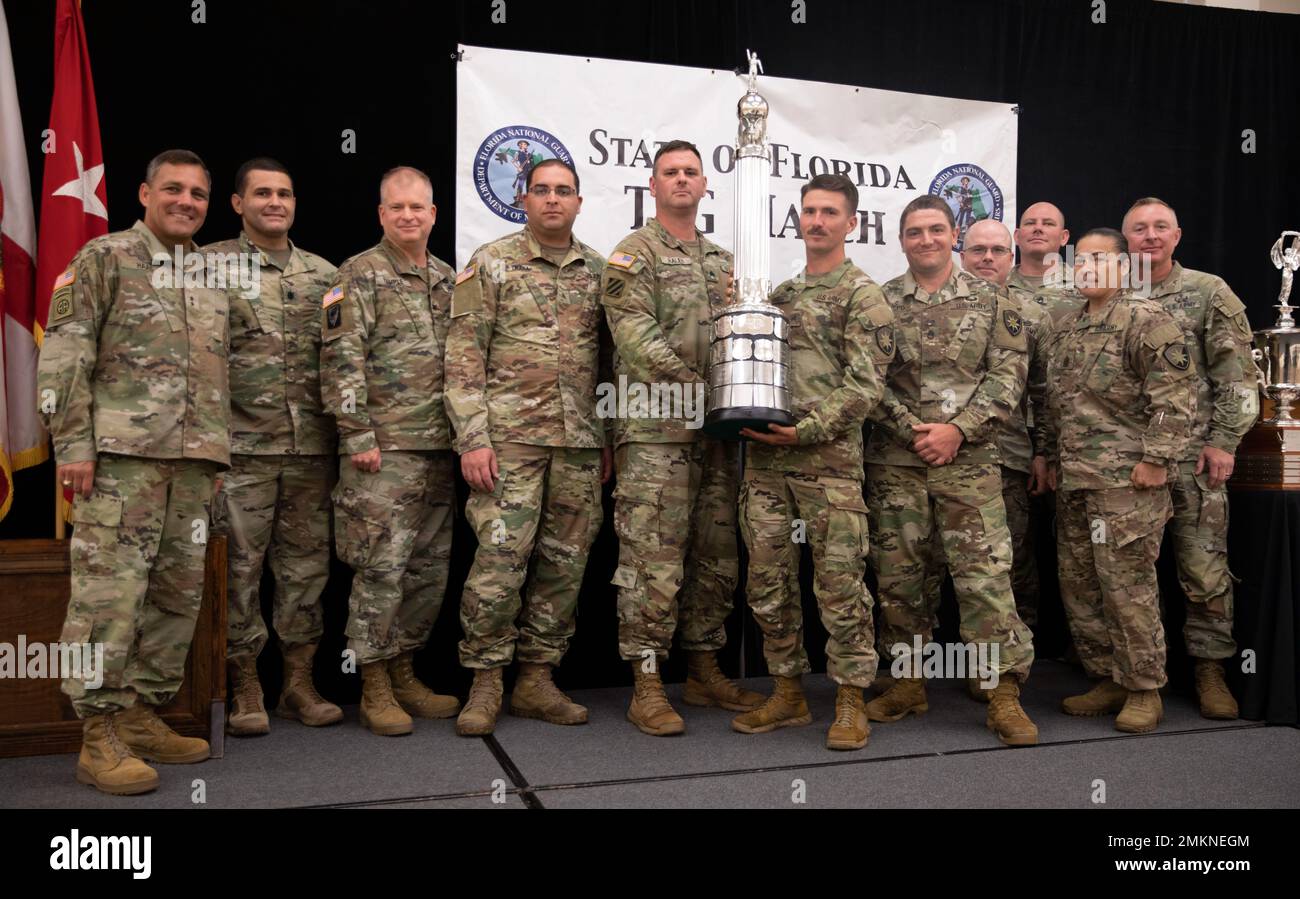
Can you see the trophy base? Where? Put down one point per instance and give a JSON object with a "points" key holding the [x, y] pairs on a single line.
{"points": [[1268, 458], [725, 424]]}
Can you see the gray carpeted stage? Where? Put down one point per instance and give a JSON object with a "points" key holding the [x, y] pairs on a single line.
{"points": [[945, 758]]}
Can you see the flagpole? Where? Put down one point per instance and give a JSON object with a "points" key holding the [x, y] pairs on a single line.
{"points": [[58, 504]]}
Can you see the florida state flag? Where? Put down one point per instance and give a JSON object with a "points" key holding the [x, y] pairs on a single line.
{"points": [[22, 439]]}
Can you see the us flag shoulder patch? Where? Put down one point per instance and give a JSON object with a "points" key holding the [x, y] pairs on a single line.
{"points": [[622, 260], [335, 294], [467, 273], [69, 275]]}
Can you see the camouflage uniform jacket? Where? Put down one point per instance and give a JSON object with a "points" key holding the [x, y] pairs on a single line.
{"points": [[841, 342], [961, 358], [1013, 432], [1121, 389], [1219, 342], [523, 351], [660, 298], [130, 368], [275, 403], [384, 325]]}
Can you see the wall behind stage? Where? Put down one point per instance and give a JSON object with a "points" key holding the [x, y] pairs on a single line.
{"points": [[1152, 101]]}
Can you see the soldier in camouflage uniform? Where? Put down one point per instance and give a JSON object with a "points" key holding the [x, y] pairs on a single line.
{"points": [[384, 325], [960, 365], [132, 386], [1121, 397], [1218, 336], [276, 501], [987, 254], [523, 362], [675, 501], [810, 476]]}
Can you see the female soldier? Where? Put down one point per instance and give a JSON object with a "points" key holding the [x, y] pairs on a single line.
{"points": [[1119, 401]]}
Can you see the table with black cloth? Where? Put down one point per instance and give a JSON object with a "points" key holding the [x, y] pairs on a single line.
{"points": [[1264, 552]]}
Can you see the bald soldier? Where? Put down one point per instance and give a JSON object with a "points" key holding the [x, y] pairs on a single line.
{"points": [[523, 362], [1218, 338], [132, 386], [276, 504], [1043, 270], [960, 365], [384, 325]]}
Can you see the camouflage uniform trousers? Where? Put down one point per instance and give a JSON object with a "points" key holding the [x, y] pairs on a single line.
{"points": [[963, 502], [276, 509], [1200, 534], [137, 552], [394, 528], [548, 499], [1107, 542], [835, 525], [675, 516], [1024, 565]]}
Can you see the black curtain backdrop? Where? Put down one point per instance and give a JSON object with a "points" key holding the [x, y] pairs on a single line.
{"points": [[1154, 100]]}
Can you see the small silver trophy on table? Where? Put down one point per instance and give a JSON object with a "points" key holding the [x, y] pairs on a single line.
{"points": [[749, 355], [1280, 345], [1269, 455]]}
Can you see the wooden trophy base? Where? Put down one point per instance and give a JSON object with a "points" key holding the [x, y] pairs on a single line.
{"points": [[1268, 457], [35, 717]]}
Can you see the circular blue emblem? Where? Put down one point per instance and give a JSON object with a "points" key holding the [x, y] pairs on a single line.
{"points": [[971, 194], [502, 164]]}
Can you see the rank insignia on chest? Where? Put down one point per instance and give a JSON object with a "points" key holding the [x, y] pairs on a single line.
{"points": [[885, 339], [1015, 324], [1176, 355]]}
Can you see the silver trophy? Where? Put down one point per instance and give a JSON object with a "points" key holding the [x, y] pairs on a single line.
{"points": [[1279, 346], [749, 353]]}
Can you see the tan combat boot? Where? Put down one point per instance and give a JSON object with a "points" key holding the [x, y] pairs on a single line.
{"points": [[976, 692], [414, 697], [536, 696], [107, 765], [650, 710], [906, 695], [706, 685], [299, 699], [1212, 690], [479, 717], [379, 710], [1006, 718], [1142, 712], [1105, 698], [148, 737], [786, 707], [247, 711], [850, 730]]}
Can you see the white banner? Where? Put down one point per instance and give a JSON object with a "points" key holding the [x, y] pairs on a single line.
{"points": [[608, 117]]}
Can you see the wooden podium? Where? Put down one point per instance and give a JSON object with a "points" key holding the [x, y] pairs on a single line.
{"points": [[35, 717]]}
